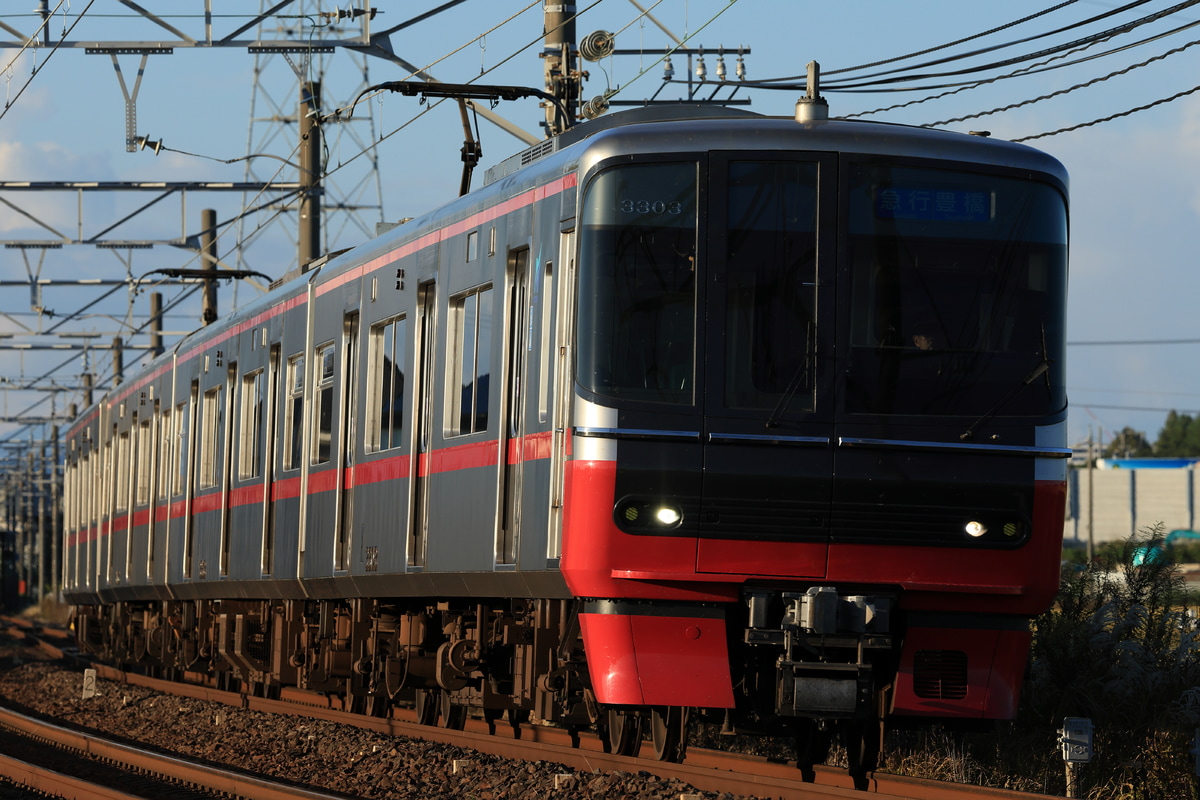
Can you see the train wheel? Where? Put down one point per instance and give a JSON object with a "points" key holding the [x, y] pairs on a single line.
{"points": [[624, 731], [428, 706], [380, 707], [812, 747], [454, 715], [863, 739], [516, 718], [668, 731]]}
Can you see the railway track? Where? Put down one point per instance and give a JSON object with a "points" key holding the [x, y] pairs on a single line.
{"points": [[84, 765], [581, 756]]}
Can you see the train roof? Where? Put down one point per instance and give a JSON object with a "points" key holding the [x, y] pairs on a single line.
{"points": [[683, 127]]}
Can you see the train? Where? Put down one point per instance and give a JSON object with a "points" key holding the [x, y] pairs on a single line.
{"points": [[687, 413]]}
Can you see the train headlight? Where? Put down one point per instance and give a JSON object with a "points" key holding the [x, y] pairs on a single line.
{"points": [[668, 516], [976, 529], [647, 515]]}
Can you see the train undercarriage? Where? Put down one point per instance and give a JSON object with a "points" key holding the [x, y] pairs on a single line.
{"points": [[810, 665]]}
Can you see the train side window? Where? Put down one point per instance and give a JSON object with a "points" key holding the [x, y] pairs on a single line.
{"points": [[293, 412], [251, 441], [389, 348], [210, 425], [122, 472], [471, 315], [546, 343], [145, 465], [472, 245], [323, 412], [180, 434], [164, 454]]}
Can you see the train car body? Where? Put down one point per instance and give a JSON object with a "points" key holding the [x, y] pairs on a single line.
{"points": [[683, 409]]}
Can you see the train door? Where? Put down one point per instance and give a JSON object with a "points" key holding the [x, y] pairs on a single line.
{"points": [[269, 469], [118, 521], [561, 380], [423, 430], [512, 444], [345, 446], [225, 475], [161, 518], [187, 468], [768, 342]]}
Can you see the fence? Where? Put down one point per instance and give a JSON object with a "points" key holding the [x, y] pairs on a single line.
{"points": [[1128, 501]]}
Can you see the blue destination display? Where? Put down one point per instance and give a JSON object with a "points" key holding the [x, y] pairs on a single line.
{"points": [[939, 205]]}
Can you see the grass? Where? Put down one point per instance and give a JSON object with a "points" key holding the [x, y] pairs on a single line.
{"points": [[1121, 647]]}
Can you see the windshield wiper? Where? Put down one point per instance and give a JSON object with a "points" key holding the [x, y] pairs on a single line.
{"points": [[802, 376], [1040, 369]]}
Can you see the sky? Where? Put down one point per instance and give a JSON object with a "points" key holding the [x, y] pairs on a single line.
{"points": [[1135, 198]]}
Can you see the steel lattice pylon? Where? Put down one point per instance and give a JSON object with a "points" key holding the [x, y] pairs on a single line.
{"points": [[351, 202]]}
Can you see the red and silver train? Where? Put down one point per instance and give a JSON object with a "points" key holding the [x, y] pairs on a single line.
{"points": [[685, 410]]}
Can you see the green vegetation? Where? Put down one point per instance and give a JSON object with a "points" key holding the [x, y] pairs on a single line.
{"points": [[1179, 438], [1120, 647]]}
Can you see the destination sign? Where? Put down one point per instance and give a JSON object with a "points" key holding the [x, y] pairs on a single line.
{"points": [[937, 205]]}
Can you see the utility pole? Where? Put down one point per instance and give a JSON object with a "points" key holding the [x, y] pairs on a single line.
{"points": [[310, 172], [118, 360], [1091, 545], [208, 262], [156, 345], [89, 396], [559, 54]]}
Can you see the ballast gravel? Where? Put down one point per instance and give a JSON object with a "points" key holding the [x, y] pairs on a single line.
{"points": [[310, 753]]}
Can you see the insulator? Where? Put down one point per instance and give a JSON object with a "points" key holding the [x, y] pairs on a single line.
{"points": [[720, 66], [701, 70], [668, 69], [595, 107], [741, 66], [597, 45]]}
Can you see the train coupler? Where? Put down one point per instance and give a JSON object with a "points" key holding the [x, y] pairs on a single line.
{"points": [[828, 647]]}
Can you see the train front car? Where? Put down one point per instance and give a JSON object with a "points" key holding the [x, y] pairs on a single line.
{"points": [[818, 455]]}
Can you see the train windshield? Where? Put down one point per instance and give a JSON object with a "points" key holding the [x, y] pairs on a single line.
{"points": [[956, 293], [637, 284]]}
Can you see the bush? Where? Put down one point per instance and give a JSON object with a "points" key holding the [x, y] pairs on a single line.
{"points": [[1120, 647]]}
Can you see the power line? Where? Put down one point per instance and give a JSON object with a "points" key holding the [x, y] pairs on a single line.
{"points": [[1077, 86], [9, 104], [1111, 117], [964, 40], [877, 86], [1123, 342], [1130, 408]]}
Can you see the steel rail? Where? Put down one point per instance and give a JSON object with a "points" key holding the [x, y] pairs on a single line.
{"points": [[56, 784], [134, 759], [706, 770]]}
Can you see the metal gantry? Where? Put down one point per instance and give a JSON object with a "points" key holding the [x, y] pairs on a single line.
{"points": [[296, 46]]}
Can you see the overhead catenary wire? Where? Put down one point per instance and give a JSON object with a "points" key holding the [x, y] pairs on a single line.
{"points": [[11, 102], [1078, 86], [252, 209], [888, 84], [277, 213], [1110, 117], [979, 51], [1034, 69]]}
